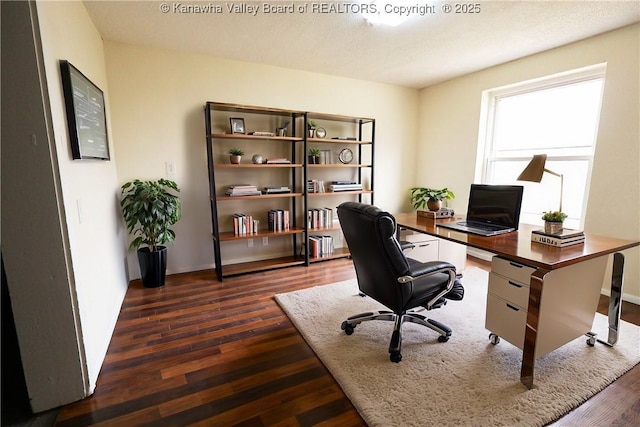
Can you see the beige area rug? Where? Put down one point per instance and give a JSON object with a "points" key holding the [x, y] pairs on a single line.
{"points": [[465, 381]]}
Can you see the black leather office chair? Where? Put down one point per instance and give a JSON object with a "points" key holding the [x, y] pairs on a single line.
{"points": [[386, 275]]}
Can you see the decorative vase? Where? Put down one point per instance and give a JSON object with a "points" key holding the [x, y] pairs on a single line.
{"points": [[234, 159], [312, 132], [434, 205], [313, 160], [257, 159], [153, 266], [552, 227]]}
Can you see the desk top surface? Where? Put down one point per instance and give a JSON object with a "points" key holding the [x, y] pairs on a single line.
{"points": [[517, 246]]}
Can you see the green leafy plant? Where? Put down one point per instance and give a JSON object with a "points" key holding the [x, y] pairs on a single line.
{"points": [[314, 152], [311, 124], [554, 216], [149, 209], [421, 195], [236, 152]]}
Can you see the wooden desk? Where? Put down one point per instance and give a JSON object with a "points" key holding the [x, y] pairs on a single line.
{"points": [[549, 264]]}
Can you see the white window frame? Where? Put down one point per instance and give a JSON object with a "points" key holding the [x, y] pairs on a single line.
{"points": [[484, 158]]}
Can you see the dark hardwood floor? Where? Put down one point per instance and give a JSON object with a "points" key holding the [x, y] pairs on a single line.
{"points": [[209, 353]]}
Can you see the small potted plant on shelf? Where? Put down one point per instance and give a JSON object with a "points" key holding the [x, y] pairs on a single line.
{"points": [[429, 197], [553, 221], [314, 155], [149, 209], [311, 126], [235, 155]]}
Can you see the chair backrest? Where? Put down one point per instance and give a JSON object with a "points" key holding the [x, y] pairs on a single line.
{"points": [[377, 256]]}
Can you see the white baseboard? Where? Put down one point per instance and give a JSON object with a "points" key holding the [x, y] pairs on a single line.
{"points": [[633, 299]]}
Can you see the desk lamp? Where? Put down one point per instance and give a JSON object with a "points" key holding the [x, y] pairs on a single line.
{"points": [[535, 169]]}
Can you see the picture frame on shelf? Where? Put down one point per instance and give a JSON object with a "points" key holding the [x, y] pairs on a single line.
{"points": [[237, 125]]}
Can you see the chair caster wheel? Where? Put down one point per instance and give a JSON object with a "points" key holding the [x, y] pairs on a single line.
{"points": [[443, 338], [591, 341], [395, 357], [347, 328], [494, 339]]}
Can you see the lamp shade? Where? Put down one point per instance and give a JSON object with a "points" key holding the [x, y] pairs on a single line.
{"points": [[534, 170]]}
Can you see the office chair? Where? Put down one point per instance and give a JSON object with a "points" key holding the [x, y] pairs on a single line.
{"points": [[385, 274]]}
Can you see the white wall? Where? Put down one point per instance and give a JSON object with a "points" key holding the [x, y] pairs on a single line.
{"points": [[449, 121], [157, 100], [89, 187]]}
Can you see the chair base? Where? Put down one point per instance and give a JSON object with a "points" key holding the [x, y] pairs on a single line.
{"points": [[395, 345]]}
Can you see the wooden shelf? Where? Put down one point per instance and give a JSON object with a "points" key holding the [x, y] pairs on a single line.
{"points": [[262, 196], [229, 236], [321, 229], [260, 166], [337, 253], [265, 264], [337, 193], [239, 108], [337, 141], [237, 136], [338, 165]]}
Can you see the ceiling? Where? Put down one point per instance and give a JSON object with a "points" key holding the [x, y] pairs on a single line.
{"points": [[424, 50]]}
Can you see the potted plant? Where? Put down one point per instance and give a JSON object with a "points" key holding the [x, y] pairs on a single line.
{"points": [[429, 197], [311, 126], [553, 221], [235, 155], [314, 155], [149, 209]]}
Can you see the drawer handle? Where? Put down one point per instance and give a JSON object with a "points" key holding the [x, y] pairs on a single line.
{"points": [[517, 285], [516, 265], [425, 245], [513, 307]]}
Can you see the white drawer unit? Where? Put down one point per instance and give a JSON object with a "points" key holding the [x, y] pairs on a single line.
{"points": [[429, 248], [508, 300], [425, 248], [558, 322]]}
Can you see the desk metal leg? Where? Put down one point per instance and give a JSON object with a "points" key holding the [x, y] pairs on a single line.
{"points": [[615, 299], [531, 332]]}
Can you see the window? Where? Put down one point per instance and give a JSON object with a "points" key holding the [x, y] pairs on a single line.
{"points": [[557, 116]]}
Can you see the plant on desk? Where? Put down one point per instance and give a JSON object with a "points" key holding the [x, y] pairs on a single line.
{"points": [[429, 197], [553, 221]]}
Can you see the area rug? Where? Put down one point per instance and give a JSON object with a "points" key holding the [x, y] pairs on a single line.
{"points": [[465, 381]]}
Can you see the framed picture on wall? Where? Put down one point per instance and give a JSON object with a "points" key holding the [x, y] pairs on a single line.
{"points": [[86, 114]]}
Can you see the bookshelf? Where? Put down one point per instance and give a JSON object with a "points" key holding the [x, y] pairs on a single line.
{"points": [[264, 249]]}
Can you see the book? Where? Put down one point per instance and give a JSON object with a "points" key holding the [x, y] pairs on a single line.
{"points": [[262, 133], [345, 138], [279, 160], [565, 233], [555, 241]]}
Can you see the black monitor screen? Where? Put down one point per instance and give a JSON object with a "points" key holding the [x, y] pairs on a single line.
{"points": [[495, 204]]}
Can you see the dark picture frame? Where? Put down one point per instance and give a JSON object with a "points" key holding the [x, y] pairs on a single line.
{"points": [[237, 125], [86, 114]]}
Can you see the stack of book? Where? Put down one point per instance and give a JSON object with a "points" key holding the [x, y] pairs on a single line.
{"points": [[243, 190], [315, 186], [278, 220], [276, 190], [278, 160], [320, 218], [320, 246], [345, 186], [244, 224], [565, 237]]}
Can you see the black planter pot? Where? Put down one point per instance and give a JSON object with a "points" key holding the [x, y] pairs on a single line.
{"points": [[153, 266]]}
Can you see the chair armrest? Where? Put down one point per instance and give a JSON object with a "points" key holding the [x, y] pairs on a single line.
{"points": [[417, 269]]}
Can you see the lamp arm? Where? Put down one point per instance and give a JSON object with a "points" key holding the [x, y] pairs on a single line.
{"points": [[561, 184]]}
